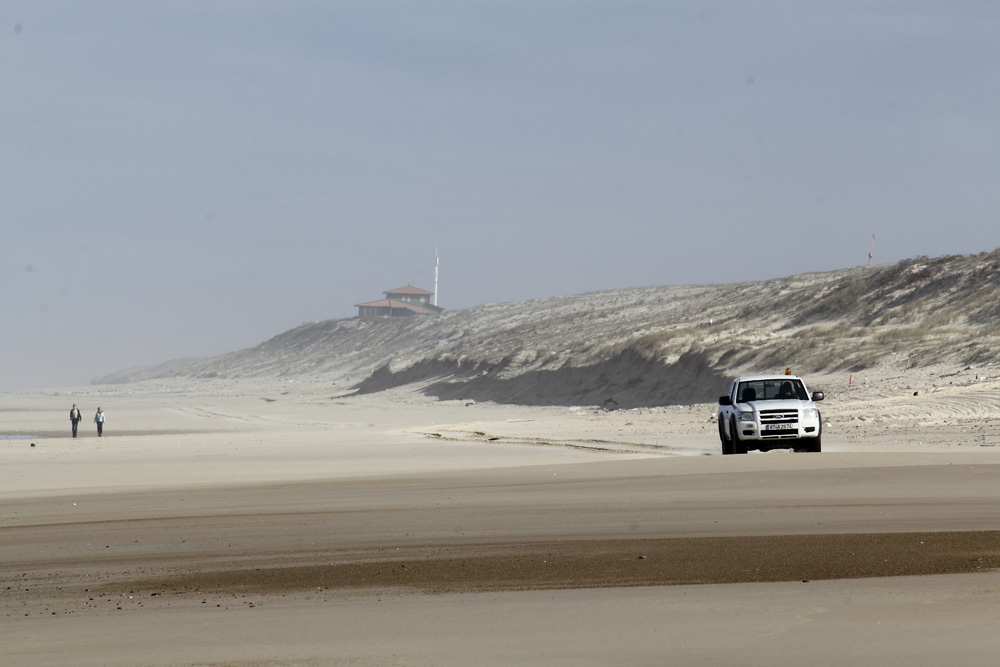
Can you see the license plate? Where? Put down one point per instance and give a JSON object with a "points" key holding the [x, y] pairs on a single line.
{"points": [[779, 427]]}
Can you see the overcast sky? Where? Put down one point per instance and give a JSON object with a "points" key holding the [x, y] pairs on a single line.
{"points": [[187, 179]]}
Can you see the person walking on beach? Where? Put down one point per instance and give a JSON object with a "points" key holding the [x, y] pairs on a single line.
{"points": [[99, 420], [75, 417]]}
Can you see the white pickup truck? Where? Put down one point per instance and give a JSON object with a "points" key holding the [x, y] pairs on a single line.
{"points": [[768, 412]]}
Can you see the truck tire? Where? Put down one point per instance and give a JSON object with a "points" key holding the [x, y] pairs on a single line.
{"points": [[739, 447], [813, 445], [727, 444]]}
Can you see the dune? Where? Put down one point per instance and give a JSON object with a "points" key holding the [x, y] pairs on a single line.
{"points": [[918, 312]]}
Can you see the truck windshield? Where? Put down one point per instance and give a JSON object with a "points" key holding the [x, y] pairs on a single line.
{"points": [[771, 390]]}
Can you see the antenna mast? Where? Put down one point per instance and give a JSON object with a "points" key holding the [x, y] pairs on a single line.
{"points": [[436, 262]]}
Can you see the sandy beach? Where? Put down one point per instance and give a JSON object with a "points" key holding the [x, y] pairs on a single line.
{"points": [[271, 523]]}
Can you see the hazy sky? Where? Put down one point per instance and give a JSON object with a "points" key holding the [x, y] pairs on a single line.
{"points": [[187, 179]]}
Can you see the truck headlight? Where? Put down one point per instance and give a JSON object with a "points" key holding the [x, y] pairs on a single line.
{"points": [[810, 413], [746, 415]]}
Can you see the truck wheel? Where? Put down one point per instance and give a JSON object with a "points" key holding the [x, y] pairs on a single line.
{"points": [[808, 445], [739, 447], [727, 444]]}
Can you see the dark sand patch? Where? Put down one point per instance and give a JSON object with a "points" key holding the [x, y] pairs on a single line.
{"points": [[606, 563]]}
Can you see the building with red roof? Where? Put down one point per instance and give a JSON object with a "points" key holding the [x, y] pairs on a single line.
{"points": [[400, 302]]}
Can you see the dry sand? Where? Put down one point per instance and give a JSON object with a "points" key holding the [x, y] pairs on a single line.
{"points": [[275, 523]]}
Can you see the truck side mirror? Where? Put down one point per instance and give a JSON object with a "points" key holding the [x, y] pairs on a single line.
{"points": [[725, 400], [818, 396]]}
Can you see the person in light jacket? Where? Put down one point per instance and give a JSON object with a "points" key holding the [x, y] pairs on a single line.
{"points": [[75, 417], [99, 420]]}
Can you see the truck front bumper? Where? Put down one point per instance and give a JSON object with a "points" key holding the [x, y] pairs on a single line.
{"points": [[753, 431]]}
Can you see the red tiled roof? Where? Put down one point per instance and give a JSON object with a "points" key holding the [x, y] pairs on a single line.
{"points": [[392, 303], [409, 289]]}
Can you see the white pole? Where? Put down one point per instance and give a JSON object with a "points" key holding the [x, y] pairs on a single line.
{"points": [[436, 262]]}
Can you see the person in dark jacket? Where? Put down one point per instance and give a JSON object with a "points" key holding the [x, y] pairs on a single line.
{"points": [[75, 418]]}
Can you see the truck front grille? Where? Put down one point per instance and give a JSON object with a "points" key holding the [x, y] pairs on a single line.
{"points": [[778, 416]]}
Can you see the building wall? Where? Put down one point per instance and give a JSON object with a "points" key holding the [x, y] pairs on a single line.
{"points": [[373, 311], [416, 299]]}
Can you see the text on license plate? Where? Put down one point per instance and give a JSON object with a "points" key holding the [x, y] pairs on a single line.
{"points": [[779, 427]]}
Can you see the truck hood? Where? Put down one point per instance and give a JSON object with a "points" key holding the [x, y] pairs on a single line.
{"points": [[787, 404]]}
